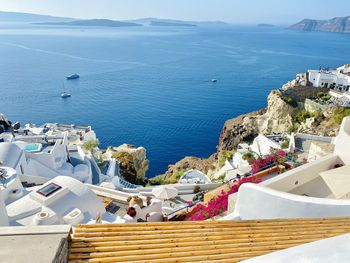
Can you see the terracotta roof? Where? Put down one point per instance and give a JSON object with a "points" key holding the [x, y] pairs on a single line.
{"points": [[214, 241]]}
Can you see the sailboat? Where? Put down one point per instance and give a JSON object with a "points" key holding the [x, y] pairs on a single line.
{"points": [[64, 94]]}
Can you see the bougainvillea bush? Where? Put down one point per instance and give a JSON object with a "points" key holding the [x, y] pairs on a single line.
{"points": [[268, 160], [219, 204]]}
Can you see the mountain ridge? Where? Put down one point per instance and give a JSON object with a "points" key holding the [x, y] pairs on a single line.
{"points": [[149, 21], [336, 24]]}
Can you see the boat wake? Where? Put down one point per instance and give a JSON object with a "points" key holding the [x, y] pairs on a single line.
{"points": [[56, 53]]}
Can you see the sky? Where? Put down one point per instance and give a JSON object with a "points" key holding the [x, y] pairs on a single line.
{"points": [[234, 11]]}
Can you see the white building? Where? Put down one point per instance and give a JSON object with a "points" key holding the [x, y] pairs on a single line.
{"points": [[337, 79], [62, 200], [318, 189], [261, 146], [45, 160]]}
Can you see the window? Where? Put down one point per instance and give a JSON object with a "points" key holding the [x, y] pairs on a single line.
{"points": [[49, 189]]}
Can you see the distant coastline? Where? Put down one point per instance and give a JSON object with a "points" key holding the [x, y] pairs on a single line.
{"points": [[161, 23], [337, 24], [92, 22], [265, 25]]}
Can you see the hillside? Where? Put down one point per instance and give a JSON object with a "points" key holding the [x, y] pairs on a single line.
{"points": [[337, 24], [30, 18]]}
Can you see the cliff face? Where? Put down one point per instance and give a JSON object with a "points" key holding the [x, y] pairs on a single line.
{"points": [[278, 118], [337, 24], [133, 161]]}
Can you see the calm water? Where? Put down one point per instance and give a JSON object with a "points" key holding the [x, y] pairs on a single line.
{"points": [[151, 86]]}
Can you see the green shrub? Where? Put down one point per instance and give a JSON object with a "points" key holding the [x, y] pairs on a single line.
{"points": [[290, 101], [90, 145], [324, 96], [158, 180], [339, 114], [221, 178], [285, 144], [292, 128], [225, 155], [173, 179], [249, 157], [302, 115]]}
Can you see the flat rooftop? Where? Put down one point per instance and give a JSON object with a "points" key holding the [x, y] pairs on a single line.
{"points": [[34, 244], [208, 241]]}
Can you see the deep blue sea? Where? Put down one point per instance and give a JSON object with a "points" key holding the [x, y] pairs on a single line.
{"points": [[151, 86]]}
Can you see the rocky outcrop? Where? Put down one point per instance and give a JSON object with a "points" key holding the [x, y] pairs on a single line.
{"points": [[133, 161], [201, 164], [277, 118], [337, 24]]}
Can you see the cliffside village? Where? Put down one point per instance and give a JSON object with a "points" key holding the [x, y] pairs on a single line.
{"points": [[56, 185]]}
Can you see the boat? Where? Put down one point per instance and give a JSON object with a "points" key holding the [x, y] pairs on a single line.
{"points": [[65, 95], [74, 76], [214, 80]]}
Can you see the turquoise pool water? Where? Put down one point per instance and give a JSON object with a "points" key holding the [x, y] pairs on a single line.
{"points": [[33, 147]]}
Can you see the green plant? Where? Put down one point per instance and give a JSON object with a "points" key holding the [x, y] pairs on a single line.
{"points": [[292, 128], [339, 114], [91, 145], [290, 101], [285, 143], [173, 179], [224, 155], [302, 115], [324, 96], [176, 176], [221, 178], [249, 157], [158, 180]]}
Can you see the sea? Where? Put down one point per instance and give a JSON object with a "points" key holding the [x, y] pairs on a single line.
{"points": [[151, 86]]}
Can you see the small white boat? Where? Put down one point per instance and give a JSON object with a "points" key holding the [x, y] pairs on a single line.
{"points": [[65, 95], [214, 80]]}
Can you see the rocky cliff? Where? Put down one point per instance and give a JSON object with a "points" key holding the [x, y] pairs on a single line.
{"points": [[285, 113], [133, 161], [175, 171], [337, 24]]}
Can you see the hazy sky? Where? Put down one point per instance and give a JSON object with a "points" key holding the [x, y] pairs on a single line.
{"points": [[236, 11]]}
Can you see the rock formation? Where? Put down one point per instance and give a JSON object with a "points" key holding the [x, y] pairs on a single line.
{"points": [[337, 24], [277, 118], [133, 161], [201, 164]]}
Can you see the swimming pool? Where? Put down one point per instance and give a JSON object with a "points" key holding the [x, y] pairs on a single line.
{"points": [[33, 147]]}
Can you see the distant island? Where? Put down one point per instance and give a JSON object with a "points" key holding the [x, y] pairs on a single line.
{"points": [[162, 23], [30, 18], [265, 25], [36, 19], [92, 22], [337, 24]]}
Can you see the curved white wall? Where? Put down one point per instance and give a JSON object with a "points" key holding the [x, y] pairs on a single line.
{"points": [[258, 202], [342, 141]]}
